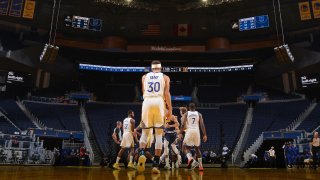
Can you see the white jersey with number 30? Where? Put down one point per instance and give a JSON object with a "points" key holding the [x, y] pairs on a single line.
{"points": [[193, 120], [153, 85]]}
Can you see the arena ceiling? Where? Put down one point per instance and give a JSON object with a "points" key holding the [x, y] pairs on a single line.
{"points": [[206, 22], [211, 20]]}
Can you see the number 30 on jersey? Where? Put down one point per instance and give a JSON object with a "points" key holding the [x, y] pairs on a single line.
{"points": [[153, 87]]}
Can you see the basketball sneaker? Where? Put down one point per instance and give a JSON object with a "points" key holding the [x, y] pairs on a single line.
{"points": [[201, 168], [141, 163], [155, 170], [194, 165], [116, 166], [131, 165], [190, 161], [178, 163], [167, 167]]}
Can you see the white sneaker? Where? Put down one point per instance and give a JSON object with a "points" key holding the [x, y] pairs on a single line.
{"points": [[167, 167], [172, 166], [194, 165], [179, 161]]}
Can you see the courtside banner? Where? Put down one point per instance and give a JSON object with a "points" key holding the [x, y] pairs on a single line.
{"points": [[4, 6], [29, 7], [305, 12], [16, 8], [316, 8]]}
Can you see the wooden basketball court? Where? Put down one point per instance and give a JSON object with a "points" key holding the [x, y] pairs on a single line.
{"points": [[97, 173]]}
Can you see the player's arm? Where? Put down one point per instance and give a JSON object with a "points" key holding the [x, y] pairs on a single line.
{"points": [[313, 141], [138, 128], [183, 122], [142, 80], [167, 95], [203, 128], [132, 122], [183, 126], [136, 138], [176, 123]]}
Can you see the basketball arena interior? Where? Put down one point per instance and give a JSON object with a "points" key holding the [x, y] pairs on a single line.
{"points": [[71, 69]]}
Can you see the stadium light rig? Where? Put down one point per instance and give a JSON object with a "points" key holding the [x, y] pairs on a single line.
{"points": [[283, 54], [49, 53]]}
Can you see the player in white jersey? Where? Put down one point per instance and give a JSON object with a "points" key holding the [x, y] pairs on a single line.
{"points": [[156, 95], [127, 140], [191, 122]]}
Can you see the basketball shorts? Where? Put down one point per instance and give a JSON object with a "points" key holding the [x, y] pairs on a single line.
{"points": [[192, 137], [153, 112], [170, 137], [127, 140]]}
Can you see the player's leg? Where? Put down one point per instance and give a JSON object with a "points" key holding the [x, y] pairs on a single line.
{"points": [[199, 157], [158, 114], [177, 153], [143, 142], [144, 136], [187, 144], [197, 142], [144, 124], [116, 164], [130, 164], [158, 150], [136, 156], [162, 157], [187, 152], [166, 153], [150, 141], [149, 155]]}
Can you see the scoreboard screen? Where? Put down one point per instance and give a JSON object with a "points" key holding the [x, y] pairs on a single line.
{"points": [[256, 22], [92, 67], [86, 23], [310, 80]]}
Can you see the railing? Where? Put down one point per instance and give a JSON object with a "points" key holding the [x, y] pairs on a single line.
{"points": [[88, 146], [244, 134], [86, 129], [2, 115], [253, 148], [31, 116], [296, 123]]}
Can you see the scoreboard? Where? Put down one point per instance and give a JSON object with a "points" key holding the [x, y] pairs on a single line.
{"points": [[256, 22], [80, 22], [92, 67], [310, 80]]}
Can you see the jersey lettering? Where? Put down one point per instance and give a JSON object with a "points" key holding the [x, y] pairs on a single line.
{"points": [[153, 85]]}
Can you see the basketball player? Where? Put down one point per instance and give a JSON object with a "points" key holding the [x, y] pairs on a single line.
{"points": [[191, 121], [148, 146], [156, 95], [170, 137], [127, 140]]}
